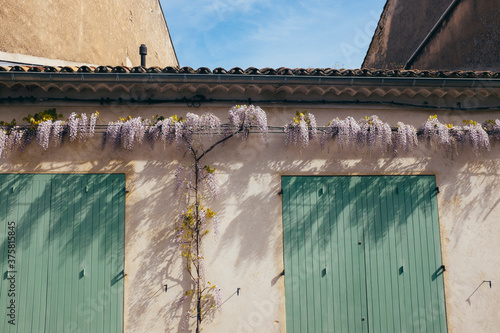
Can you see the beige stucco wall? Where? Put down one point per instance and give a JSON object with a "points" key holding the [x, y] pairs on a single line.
{"points": [[104, 32], [249, 254]]}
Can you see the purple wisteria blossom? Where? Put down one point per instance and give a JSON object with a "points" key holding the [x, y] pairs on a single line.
{"points": [[374, 131], [246, 117], [346, 131], [82, 127], [405, 138], [57, 132], [126, 132], [437, 134], [93, 121], [73, 127], [43, 133], [476, 136], [209, 181], [301, 129], [3, 142], [112, 133]]}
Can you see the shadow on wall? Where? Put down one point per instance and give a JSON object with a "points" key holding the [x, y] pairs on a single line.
{"points": [[250, 180], [252, 187]]}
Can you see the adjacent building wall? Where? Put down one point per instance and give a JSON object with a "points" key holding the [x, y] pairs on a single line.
{"points": [[249, 253], [104, 32], [467, 39], [402, 27]]}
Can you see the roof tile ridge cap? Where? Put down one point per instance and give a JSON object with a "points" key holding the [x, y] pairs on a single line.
{"points": [[171, 69], [236, 70], [203, 70], [219, 70], [18, 68], [252, 71]]}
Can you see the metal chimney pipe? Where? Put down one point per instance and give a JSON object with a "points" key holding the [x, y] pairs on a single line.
{"points": [[143, 51]]}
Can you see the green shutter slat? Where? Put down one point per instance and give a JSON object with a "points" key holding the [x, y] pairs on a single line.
{"points": [[304, 311], [85, 312], [120, 247], [325, 254], [336, 209], [388, 279], [436, 307], [394, 256]]}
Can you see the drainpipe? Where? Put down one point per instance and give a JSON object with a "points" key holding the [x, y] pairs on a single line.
{"points": [[143, 51]]}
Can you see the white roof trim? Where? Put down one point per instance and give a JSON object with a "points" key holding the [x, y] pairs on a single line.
{"points": [[23, 59]]}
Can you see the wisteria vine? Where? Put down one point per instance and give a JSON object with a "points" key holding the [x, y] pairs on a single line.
{"points": [[196, 182], [45, 128], [369, 134]]}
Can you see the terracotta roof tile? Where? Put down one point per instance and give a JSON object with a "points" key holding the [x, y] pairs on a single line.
{"points": [[68, 69], [364, 72], [138, 69], [51, 69], [121, 69], [284, 71], [37, 69], [236, 70], [203, 70], [186, 70], [219, 70], [170, 69], [268, 71], [153, 70], [19, 68]]}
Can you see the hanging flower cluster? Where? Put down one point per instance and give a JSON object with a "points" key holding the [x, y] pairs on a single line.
{"points": [[45, 128], [374, 131], [301, 129], [345, 130], [493, 126], [405, 138], [449, 136], [368, 133], [126, 132], [244, 117]]}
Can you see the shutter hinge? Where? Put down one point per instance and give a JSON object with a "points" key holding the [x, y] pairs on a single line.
{"points": [[125, 190], [282, 273], [437, 190], [280, 192]]}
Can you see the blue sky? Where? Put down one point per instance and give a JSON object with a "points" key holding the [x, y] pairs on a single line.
{"points": [[271, 33]]}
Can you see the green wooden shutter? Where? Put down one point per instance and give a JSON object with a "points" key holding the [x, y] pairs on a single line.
{"points": [[69, 252], [362, 254]]}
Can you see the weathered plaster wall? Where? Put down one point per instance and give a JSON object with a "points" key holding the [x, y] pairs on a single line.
{"points": [[249, 253], [105, 32]]}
